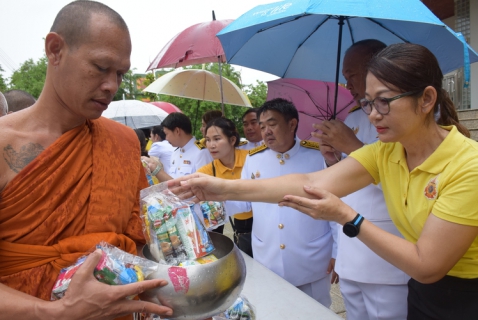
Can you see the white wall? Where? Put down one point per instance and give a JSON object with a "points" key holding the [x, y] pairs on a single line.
{"points": [[474, 44]]}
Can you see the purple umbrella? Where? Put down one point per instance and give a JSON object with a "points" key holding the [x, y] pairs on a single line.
{"points": [[313, 99]]}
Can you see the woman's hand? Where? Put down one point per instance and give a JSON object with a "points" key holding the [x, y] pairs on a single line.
{"points": [[325, 206], [201, 186], [152, 162]]}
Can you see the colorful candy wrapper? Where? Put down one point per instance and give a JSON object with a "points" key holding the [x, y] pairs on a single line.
{"points": [[212, 212], [172, 230], [116, 267], [242, 309]]}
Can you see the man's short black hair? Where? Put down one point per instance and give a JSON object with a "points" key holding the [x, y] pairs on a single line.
{"points": [[254, 110], [284, 107], [177, 120], [18, 100], [73, 20], [159, 131]]}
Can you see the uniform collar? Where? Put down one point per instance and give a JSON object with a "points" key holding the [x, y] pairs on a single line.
{"points": [[289, 153], [440, 158], [238, 162], [188, 145]]}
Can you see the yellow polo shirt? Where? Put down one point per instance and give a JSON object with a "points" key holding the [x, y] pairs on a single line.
{"points": [[445, 184], [231, 174]]}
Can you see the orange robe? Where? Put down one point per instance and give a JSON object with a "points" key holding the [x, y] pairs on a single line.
{"points": [[82, 189]]}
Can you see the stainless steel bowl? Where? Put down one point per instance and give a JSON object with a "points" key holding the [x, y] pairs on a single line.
{"points": [[199, 292]]}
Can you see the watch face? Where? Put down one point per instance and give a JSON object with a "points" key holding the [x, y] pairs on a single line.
{"points": [[350, 229]]}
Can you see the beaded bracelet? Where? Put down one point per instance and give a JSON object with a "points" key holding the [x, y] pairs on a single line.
{"points": [[158, 168]]}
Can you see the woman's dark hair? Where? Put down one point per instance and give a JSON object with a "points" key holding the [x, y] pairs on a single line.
{"points": [[412, 67], [227, 126], [210, 115], [159, 131], [142, 141]]}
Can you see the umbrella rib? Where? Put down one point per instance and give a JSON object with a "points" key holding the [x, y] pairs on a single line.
{"points": [[381, 25], [300, 45], [350, 30]]}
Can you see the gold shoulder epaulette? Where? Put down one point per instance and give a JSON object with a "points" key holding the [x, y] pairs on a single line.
{"points": [[310, 144], [201, 144], [243, 142], [354, 109], [258, 149]]}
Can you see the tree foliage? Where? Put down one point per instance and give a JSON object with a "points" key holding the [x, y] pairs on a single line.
{"points": [[3, 82], [30, 77]]}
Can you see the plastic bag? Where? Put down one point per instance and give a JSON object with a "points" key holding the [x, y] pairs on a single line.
{"points": [[242, 309], [116, 267], [213, 214], [173, 232]]}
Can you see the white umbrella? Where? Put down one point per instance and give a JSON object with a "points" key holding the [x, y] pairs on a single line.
{"points": [[135, 114], [199, 84]]}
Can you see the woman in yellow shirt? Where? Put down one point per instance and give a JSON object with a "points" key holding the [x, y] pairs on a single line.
{"points": [[222, 139], [428, 170]]}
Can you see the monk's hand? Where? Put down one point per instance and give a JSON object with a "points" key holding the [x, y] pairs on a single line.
{"points": [[324, 206], [336, 134], [87, 298], [199, 187]]}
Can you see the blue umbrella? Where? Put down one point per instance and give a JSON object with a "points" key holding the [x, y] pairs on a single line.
{"points": [[304, 38]]}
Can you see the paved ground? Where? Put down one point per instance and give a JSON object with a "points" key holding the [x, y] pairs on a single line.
{"points": [[337, 301]]}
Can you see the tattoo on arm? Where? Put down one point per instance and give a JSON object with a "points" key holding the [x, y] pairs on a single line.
{"points": [[19, 160]]}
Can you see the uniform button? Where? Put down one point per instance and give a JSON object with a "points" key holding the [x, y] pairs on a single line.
{"points": [[281, 226], [282, 246]]}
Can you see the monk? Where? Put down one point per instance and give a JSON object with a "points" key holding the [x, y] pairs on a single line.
{"points": [[69, 178]]}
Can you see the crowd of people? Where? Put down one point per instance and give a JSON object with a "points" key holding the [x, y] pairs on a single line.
{"points": [[383, 202]]}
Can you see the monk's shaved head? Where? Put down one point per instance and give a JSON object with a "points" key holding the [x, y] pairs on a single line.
{"points": [[73, 21]]}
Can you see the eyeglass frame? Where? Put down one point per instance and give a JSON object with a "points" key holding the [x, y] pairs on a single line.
{"points": [[371, 103]]}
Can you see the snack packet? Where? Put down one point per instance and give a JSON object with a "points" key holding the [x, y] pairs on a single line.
{"points": [[172, 230], [152, 180], [242, 309], [115, 267], [213, 214]]}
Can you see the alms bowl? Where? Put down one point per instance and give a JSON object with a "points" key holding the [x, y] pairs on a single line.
{"points": [[201, 291]]}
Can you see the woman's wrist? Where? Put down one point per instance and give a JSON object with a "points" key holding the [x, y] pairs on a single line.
{"points": [[158, 168]]}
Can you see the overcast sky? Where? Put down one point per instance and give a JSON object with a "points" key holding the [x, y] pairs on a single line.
{"points": [[152, 23]]}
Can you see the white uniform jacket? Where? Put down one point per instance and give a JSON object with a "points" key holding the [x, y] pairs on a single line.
{"points": [[188, 159], [288, 242], [355, 261], [247, 145], [163, 150]]}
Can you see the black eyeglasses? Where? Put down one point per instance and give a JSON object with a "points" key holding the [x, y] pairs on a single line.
{"points": [[382, 105]]}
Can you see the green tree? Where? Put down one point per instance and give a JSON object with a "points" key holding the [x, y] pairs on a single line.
{"points": [[30, 77], [3, 82], [257, 93]]}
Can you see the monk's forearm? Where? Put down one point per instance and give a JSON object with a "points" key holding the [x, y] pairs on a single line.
{"points": [[18, 305]]}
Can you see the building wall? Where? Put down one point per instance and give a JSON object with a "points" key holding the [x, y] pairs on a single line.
{"points": [[474, 44]]}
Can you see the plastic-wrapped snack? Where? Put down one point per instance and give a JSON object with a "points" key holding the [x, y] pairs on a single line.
{"points": [[115, 267], [212, 212], [152, 180], [203, 260], [242, 309], [170, 227]]}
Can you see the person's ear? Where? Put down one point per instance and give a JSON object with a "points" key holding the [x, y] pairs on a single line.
{"points": [[428, 99], [233, 140], [293, 124], [54, 47]]}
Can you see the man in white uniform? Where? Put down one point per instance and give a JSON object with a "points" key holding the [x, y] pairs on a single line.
{"points": [[252, 131], [189, 154], [291, 244], [371, 287], [161, 148]]}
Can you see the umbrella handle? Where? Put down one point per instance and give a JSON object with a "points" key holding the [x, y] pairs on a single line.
{"points": [[339, 49]]}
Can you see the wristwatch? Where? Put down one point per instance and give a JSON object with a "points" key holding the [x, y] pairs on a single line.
{"points": [[352, 228]]}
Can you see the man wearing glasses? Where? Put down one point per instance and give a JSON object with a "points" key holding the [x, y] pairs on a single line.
{"points": [[371, 287]]}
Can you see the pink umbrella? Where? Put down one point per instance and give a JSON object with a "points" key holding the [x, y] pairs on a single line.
{"points": [[194, 45], [166, 106], [313, 99]]}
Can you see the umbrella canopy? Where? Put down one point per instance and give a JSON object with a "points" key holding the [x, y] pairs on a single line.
{"points": [[313, 99], [135, 114], [199, 84], [166, 106], [194, 45], [300, 38]]}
